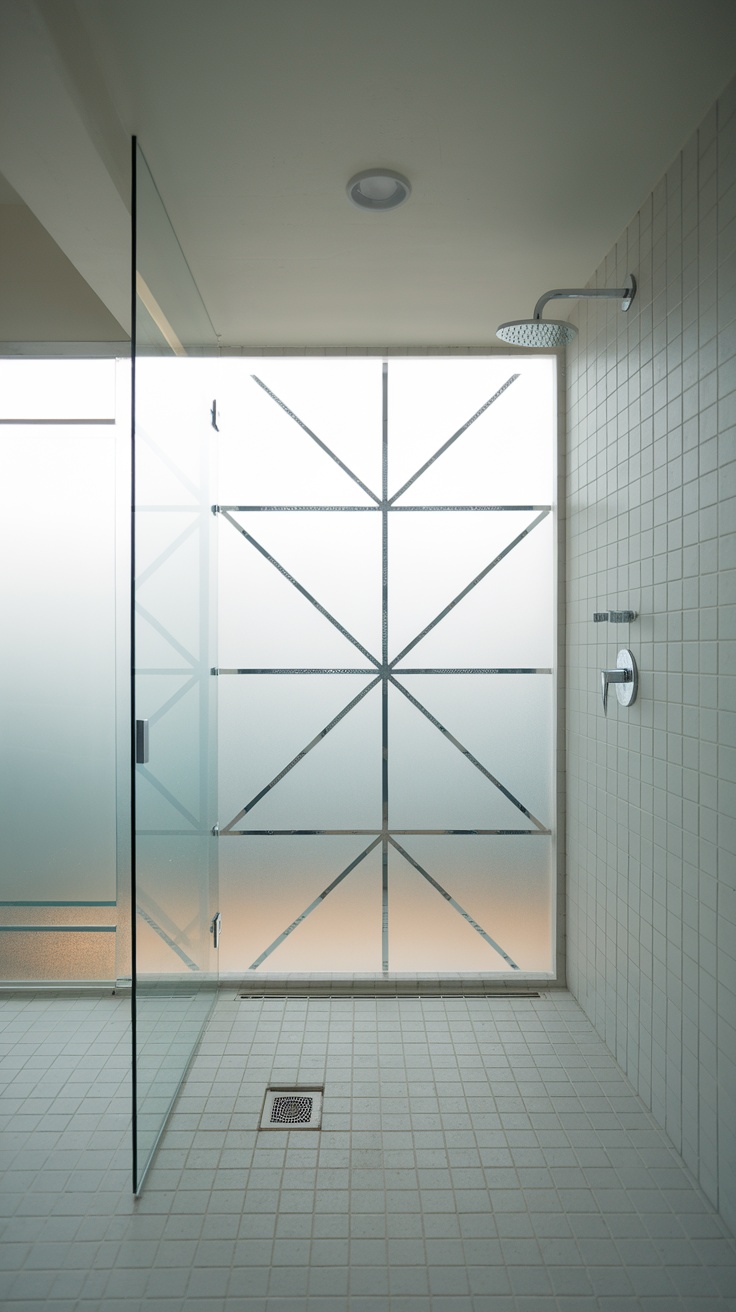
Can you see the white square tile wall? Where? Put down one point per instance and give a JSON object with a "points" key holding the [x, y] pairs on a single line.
{"points": [[651, 526]]}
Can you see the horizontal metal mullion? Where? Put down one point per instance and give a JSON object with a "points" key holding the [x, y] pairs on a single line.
{"points": [[541, 669], [472, 669], [259, 509], [54, 903], [204, 832], [412, 509], [281, 833], [57, 929], [284, 670], [404, 510]]}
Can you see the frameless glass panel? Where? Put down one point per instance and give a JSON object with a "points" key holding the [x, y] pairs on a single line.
{"points": [[386, 668], [175, 873]]}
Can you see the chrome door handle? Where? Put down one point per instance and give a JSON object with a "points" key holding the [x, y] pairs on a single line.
{"points": [[141, 742], [216, 929]]}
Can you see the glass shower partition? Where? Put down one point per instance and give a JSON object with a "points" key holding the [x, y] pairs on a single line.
{"points": [[174, 865]]}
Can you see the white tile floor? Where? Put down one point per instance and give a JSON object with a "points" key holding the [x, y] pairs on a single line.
{"points": [[476, 1155]]}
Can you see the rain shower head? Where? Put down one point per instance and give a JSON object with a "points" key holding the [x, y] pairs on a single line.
{"points": [[537, 332], [555, 332]]}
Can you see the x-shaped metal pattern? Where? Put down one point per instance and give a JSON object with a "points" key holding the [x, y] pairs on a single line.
{"points": [[384, 674]]}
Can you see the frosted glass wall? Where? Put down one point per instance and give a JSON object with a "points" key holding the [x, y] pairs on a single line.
{"points": [[386, 652], [57, 670]]}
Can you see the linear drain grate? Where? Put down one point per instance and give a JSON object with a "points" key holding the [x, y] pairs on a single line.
{"points": [[317, 996], [292, 1109]]}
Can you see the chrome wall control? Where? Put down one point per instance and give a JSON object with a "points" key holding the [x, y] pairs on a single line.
{"points": [[141, 742], [625, 677], [614, 616], [216, 929]]}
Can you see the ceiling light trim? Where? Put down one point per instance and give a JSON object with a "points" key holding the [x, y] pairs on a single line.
{"points": [[378, 190]]}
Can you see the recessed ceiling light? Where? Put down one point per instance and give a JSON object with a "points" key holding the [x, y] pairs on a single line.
{"points": [[378, 189]]}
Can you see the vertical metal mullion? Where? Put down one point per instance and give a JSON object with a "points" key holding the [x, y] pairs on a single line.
{"points": [[384, 672]]}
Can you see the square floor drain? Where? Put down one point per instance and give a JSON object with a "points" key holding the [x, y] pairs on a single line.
{"points": [[292, 1109]]}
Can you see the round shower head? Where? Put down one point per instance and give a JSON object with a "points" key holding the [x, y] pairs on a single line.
{"points": [[537, 332]]}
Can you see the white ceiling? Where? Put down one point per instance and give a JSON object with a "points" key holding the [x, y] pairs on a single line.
{"points": [[531, 131]]}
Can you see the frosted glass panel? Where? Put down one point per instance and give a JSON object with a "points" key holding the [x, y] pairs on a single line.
{"points": [[434, 557], [386, 664], [58, 390], [269, 883], [505, 722], [335, 557], [57, 668], [506, 619], [502, 883], [433, 784], [54, 955], [281, 415], [503, 456], [337, 782]]}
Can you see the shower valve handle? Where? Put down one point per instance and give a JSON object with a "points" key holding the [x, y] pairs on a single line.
{"points": [[625, 673]]}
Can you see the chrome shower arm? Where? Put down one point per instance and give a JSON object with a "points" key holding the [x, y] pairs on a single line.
{"points": [[625, 294]]}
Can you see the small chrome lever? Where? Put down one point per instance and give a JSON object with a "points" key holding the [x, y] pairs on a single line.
{"points": [[626, 678], [216, 929]]}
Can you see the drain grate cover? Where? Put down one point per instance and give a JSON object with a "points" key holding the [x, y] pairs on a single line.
{"points": [[287, 1109], [292, 1109]]}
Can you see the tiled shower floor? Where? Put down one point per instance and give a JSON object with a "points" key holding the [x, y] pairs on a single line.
{"points": [[477, 1155]]}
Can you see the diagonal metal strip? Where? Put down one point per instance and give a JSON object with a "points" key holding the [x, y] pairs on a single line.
{"points": [[456, 905], [467, 754], [160, 788], [478, 578], [165, 459], [145, 575], [272, 561], [192, 965], [325, 893], [173, 699], [452, 439], [322, 445], [164, 633], [300, 755]]}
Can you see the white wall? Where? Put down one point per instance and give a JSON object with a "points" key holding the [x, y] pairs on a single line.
{"points": [[651, 483]]}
